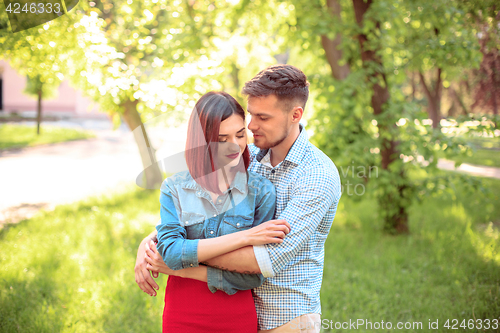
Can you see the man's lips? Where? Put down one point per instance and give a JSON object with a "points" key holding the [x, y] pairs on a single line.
{"points": [[233, 156]]}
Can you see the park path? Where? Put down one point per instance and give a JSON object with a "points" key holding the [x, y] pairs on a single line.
{"points": [[475, 170], [43, 177]]}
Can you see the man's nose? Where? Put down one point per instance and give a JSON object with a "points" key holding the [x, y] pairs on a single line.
{"points": [[251, 125]]}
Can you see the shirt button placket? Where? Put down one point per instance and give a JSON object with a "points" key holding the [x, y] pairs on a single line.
{"points": [[211, 227]]}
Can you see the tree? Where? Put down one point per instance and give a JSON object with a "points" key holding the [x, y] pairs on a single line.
{"points": [[440, 43], [149, 58], [39, 89], [41, 53], [367, 118], [484, 17], [133, 51]]}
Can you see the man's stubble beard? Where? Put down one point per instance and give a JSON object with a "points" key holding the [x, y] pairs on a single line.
{"points": [[286, 132]]}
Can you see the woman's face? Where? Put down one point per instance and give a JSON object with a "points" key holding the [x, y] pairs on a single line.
{"points": [[232, 141]]}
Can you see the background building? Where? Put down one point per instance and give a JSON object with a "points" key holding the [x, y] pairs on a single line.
{"points": [[68, 102]]}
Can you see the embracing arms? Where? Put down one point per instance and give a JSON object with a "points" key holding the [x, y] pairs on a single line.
{"points": [[313, 194], [182, 255]]}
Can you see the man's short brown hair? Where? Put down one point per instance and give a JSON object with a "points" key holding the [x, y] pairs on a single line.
{"points": [[287, 82]]}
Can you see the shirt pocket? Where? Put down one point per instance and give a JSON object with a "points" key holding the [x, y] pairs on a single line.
{"points": [[234, 223], [194, 223]]}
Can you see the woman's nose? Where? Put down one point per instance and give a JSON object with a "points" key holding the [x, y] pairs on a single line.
{"points": [[233, 146]]}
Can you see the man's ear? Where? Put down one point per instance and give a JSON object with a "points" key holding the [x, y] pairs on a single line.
{"points": [[297, 113]]}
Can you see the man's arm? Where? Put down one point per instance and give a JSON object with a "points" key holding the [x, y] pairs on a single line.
{"points": [[313, 194], [142, 274], [235, 281]]}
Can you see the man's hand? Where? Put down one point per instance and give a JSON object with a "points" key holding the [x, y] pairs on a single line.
{"points": [[142, 275], [155, 261]]}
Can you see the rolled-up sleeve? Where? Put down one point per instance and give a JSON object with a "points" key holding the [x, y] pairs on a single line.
{"points": [[177, 251], [231, 282], [313, 194], [263, 260]]}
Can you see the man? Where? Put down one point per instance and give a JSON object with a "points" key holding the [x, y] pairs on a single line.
{"points": [[308, 191]]}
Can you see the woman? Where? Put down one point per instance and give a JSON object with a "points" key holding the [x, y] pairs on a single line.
{"points": [[215, 208]]}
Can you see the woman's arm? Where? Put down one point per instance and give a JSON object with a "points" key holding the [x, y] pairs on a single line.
{"points": [[233, 281], [156, 264], [178, 252], [219, 278], [269, 232]]}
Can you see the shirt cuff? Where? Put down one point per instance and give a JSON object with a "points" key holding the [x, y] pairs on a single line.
{"points": [[190, 253], [263, 260], [214, 279]]}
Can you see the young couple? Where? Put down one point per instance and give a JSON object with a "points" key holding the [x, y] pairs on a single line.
{"points": [[217, 239]]}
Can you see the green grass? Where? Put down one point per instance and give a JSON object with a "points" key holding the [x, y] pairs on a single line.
{"points": [[449, 267], [71, 270], [19, 136], [486, 152]]}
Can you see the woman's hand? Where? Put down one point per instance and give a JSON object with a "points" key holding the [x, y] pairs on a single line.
{"points": [[155, 261], [272, 231]]}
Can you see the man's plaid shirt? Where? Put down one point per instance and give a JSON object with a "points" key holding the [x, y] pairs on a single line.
{"points": [[308, 191]]}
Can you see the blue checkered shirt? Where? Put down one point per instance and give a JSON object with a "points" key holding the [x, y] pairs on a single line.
{"points": [[308, 191]]}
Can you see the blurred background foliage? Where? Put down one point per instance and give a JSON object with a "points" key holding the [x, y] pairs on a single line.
{"points": [[395, 85]]}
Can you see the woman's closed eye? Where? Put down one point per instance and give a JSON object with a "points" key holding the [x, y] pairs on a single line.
{"points": [[222, 140]]}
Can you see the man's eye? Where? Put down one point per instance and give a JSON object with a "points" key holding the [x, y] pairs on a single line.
{"points": [[262, 118]]}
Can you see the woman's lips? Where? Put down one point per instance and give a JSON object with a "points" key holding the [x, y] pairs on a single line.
{"points": [[233, 156]]}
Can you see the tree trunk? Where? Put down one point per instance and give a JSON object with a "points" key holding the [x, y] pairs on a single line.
{"points": [[39, 112], [496, 84], [391, 203], [413, 87], [152, 174], [457, 102], [434, 98], [331, 47]]}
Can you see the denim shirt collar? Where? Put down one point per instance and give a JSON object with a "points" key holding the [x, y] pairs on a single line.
{"points": [[296, 152], [239, 182]]}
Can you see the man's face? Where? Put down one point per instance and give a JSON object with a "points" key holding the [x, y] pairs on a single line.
{"points": [[270, 124]]}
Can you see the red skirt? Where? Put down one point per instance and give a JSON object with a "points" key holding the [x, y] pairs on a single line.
{"points": [[191, 307]]}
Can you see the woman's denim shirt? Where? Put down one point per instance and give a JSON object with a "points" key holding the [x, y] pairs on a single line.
{"points": [[189, 214]]}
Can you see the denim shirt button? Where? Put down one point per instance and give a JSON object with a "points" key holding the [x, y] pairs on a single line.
{"points": [[187, 222], [212, 232], [237, 224], [215, 215]]}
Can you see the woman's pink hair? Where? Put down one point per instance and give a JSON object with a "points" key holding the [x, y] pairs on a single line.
{"points": [[203, 129]]}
